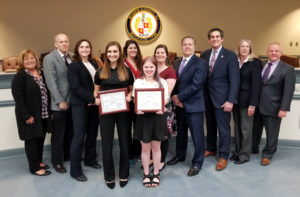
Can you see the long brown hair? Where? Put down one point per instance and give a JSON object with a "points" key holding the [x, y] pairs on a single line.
{"points": [[121, 68], [153, 61], [138, 58]]}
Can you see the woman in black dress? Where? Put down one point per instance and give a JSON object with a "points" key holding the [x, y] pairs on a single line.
{"points": [[32, 110]]}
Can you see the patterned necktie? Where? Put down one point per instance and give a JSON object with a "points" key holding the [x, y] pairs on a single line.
{"points": [[181, 67], [212, 62], [66, 60], [266, 73]]}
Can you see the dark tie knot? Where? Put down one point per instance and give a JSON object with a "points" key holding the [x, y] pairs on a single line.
{"points": [[269, 64]]}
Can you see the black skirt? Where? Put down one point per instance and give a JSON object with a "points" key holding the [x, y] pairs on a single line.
{"points": [[150, 127]]}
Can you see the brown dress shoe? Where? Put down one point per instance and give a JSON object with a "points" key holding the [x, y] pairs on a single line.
{"points": [[265, 161], [221, 165], [60, 168], [209, 153]]}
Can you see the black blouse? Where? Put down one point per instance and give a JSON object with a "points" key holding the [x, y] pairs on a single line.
{"points": [[113, 82]]}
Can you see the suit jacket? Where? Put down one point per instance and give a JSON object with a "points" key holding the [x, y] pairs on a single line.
{"points": [[224, 81], [56, 71], [278, 91], [27, 95], [81, 83], [250, 83], [189, 86]]}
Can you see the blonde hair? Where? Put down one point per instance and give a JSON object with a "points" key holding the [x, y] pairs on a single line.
{"points": [[23, 54], [251, 54]]}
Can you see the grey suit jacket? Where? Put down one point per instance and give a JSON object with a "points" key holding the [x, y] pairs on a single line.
{"points": [[55, 71], [278, 92]]}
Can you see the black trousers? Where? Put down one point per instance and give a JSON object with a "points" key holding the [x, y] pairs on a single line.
{"points": [[107, 127], [85, 122], [257, 130], [164, 147], [133, 144], [61, 136], [34, 152], [272, 126], [68, 134]]}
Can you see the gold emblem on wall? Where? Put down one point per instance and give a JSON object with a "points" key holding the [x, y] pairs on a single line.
{"points": [[143, 25]]}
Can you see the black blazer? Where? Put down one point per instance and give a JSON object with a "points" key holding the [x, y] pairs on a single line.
{"points": [[81, 83], [278, 92], [27, 96], [250, 83]]}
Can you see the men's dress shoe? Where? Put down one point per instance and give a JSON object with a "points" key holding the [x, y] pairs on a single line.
{"points": [[234, 158], [111, 185], [174, 161], [46, 167], [123, 183], [60, 168], [265, 161], [209, 153], [81, 178], [95, 165], [193, 171], [239, 161], [221, 165], [45, 174]]}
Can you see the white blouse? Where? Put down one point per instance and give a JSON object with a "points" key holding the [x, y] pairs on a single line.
{"points": [[91, 69], [142, 83]]}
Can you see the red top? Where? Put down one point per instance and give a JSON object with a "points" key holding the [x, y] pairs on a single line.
{"points": [[168, 73], [136, 73]]}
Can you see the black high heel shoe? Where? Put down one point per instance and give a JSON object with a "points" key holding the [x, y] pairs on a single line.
{"points": [[111, 184], [44, 174], [123, 182]]}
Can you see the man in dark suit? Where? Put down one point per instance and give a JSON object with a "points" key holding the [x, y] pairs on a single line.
{"points": [[55, 67], [275, 99], [221, 93], [189, 100]]}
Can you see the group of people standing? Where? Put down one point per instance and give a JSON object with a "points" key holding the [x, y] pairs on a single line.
{"points": [[62, 99]]}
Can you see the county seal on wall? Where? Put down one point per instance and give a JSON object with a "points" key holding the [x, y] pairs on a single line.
{"points": [[143, 25]]}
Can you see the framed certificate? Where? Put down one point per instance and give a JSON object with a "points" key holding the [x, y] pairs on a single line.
{"points": [[149, 99], [113, 101]]}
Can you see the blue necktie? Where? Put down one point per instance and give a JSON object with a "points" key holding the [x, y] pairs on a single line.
{"points": [[181, 67]]}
